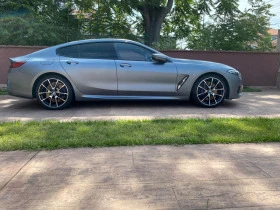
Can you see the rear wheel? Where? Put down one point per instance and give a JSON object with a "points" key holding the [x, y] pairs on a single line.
{"points": [[209, 91], [54, 92]]}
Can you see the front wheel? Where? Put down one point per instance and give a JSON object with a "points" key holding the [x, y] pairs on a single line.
{"points": [[209, 91], [54, 92]]}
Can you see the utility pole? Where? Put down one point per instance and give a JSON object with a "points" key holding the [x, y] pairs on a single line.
{"points": [[278, 42], [278, 50]]}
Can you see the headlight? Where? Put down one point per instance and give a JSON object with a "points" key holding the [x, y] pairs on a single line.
{"points": [[235, 72]]}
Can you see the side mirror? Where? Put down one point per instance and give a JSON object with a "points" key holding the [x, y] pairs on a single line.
{"points": [[159, 58]]}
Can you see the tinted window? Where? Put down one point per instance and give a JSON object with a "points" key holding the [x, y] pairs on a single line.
{"points": [[133, 52], [89, 50], [70, 51], [97, 51]]}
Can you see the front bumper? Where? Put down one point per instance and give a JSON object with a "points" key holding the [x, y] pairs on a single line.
{"points": [[235, 86]]}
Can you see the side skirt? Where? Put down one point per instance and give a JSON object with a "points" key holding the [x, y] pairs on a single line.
{"points": [[112, 97]]}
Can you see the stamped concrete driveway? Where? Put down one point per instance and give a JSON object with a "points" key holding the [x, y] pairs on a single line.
{"points": [[240, 176], [265, 104]]}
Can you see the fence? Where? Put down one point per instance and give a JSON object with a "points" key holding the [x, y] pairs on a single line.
{"points": [[7, 52], [257, 68]]}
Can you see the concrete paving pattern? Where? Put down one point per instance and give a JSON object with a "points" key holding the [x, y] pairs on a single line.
{"points": [[239, 176], [265, 104]]}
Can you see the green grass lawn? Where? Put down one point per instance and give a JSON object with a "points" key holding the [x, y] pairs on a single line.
{"points": [[55, 135], [250, 89], [3, 92]]}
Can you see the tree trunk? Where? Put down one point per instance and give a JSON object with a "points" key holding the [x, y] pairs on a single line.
{"points": [[153, 17]]}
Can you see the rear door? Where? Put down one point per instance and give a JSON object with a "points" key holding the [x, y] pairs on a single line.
{"points": [[91, 67]]}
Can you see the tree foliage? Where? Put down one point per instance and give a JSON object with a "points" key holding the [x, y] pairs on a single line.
{"points": [[35, 22], [244, 31], [104, 19], [149, 19], [50, 22]]}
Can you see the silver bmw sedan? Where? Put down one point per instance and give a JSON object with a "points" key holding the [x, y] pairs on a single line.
{"points": [[108, 69]]}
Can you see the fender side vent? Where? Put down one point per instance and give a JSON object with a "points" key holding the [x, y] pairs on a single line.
{"points": [[182, 82]]}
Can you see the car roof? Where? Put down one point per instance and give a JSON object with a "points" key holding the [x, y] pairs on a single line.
{"points": [[97, 40], [51, 51]]}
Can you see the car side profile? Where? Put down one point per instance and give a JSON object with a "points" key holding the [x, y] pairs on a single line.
{"points": [[109, 69]]}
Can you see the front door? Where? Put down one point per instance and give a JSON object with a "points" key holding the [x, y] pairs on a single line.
{"points": [[139, 75]]}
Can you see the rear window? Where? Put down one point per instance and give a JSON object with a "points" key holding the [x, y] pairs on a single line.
{"points": [[89, 51], [70, 51], [97, 51]]}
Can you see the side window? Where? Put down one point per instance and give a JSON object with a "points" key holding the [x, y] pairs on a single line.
{"points": [[70, 51], [133, 52], [104, 50]]}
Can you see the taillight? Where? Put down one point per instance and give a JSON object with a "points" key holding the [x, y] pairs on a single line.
{"points": [[17, 64]]}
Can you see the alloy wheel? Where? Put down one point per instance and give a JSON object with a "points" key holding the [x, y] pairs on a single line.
{"points": [[210, 91], [53, 93]]}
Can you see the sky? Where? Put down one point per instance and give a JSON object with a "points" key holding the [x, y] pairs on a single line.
{"points": [[275, 9]]}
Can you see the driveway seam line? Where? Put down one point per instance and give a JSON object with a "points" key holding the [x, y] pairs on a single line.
{"points": [[69, 119], [18, 171], [261, 169], [242, 207], [133, 163], [176, 198]]}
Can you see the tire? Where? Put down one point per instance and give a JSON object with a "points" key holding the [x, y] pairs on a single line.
{"points": [[54, 92], [209, 90]]}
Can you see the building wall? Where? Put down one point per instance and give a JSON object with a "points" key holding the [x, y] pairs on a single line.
{"points": [[258, 69]]}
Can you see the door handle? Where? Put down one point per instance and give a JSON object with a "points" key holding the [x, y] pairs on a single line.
{"points": [[125, 65], [72, 62]]}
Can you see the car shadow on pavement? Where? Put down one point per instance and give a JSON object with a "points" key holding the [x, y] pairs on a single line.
{"points": [[12, 108], [32, 104], [146, 103]]}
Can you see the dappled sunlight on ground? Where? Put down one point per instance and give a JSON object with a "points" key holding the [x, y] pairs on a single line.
{"points": [[5, 103], [148, 177], [263, 104], [8, 101], [269, 96]]}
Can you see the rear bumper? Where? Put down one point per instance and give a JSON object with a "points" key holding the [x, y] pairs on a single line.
{"points": [[19, 84]]}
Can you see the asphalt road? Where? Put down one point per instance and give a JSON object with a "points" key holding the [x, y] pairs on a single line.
{"points": [[264, 104]]}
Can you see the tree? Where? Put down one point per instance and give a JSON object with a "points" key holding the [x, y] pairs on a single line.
{"points": [[47, 22], [166, 17], [104, 19], [226, 9], [147, 18], [153, 14], [237, 30]]}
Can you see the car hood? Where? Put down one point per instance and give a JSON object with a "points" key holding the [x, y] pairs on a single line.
{"points": [[202, 64]]}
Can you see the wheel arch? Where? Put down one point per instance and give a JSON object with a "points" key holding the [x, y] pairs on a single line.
{"points": [[47, 74], [218, 74]]}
